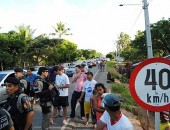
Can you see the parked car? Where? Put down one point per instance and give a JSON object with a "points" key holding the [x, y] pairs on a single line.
{"points": [[89, 64], [71, 70], [94, 63], [35, 69], [3, 75], [65, 66]]}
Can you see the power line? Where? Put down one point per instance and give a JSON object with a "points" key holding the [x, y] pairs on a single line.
{"points": [[150, 1], [133, 25]]}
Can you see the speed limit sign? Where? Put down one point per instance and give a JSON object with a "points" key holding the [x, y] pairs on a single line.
{"points": [[150, 84]]}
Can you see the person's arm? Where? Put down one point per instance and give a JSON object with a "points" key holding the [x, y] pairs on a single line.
{"points": [[82, 95], [67, 83], [75, 77], [11, 128], [64, 86], [29, 110], [100, 126], [29, 120], [95, 108]]}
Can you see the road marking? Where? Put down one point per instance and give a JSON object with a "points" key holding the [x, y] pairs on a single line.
{"points": [[68, 120], [96, 73]]}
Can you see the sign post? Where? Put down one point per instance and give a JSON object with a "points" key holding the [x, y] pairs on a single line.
{"points": [[150, 85]]}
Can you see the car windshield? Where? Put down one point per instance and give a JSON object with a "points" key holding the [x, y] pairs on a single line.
{"points": [[2, 77]]}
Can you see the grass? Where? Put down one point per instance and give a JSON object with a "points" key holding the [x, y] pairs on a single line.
{"points": [[120, 89], [123, 92], [110, 67]]}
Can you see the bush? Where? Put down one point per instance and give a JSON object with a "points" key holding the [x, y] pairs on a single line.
{"points": [[123, 92]]}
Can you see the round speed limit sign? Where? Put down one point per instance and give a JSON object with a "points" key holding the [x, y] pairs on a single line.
{"points": [[150, 84]]}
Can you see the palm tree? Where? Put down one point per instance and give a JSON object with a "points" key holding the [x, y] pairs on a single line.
{"points": [[61, 30], [25, 33]]}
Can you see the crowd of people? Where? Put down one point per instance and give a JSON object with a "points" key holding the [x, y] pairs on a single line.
{"points": [[51, 88]]}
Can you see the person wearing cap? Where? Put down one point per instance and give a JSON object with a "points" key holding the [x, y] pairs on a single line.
{"points": [[18, 105], [24, 83], [113, 118], [6, 122], [44, 89]]}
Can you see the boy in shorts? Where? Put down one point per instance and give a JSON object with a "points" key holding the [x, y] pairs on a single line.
{"points": [[87, 90]]}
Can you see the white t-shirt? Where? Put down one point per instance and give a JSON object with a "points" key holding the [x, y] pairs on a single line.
{"points": [[122, 123], [88, 88], [61, 80]]}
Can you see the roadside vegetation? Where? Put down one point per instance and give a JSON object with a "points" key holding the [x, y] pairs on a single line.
{"points": [[120, 86], [134, 50]]}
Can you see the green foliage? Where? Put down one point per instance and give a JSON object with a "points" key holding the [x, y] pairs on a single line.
{"points": [[137, 49], [125, 96], [111, 55], [20, 48], [61, 30], [110, 66]]}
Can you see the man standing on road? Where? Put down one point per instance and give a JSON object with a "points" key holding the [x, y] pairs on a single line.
{"points": [[87, 90], [18, 105], [44, 93], [62, 81], [78, 79], [113, 118], [24, 83]]}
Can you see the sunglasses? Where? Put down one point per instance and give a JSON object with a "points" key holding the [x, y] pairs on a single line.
{"points": [[8, 84]]}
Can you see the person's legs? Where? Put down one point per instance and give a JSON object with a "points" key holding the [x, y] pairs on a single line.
{"points": [[74, 99], [59, 111], [64, 104], [87, 111], [46, 113], [54, 113], [82, 107]]}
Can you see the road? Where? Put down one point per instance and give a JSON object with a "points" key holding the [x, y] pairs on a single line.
{"points": [[76, 123]]}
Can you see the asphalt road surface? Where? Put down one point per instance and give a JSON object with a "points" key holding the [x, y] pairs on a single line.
{"points": [[76, 123]]}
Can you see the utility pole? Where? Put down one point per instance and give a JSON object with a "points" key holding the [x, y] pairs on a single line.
{"points": [[150, 51], [148, 31]]}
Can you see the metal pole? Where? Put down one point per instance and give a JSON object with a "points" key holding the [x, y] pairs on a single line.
{"points": [[150, 52], [148, 31]]}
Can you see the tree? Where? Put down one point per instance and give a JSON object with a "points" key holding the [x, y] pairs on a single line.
{"points": [[111, 55], [61, 30], [123, 40]]}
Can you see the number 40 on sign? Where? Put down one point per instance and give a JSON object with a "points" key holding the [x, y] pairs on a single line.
{"points": [[150, 84]]}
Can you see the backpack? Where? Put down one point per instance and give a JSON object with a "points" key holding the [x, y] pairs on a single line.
{"points": [[25, 89], [19, 102]]}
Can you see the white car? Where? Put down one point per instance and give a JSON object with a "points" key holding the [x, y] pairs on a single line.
{"points": [[71, 70], [3, 75]]}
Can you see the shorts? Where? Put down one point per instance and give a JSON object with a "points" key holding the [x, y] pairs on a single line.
{"points": [[61, 101], [86, 107]]}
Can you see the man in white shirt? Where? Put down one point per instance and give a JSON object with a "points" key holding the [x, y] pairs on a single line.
{"points": [[62, 81], [113, 118]]}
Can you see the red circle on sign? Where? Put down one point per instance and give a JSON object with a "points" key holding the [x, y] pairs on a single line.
{"points": [[132, 84]]}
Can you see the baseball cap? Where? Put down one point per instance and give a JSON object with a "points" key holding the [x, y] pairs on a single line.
{"points": [[111, 100], [18, 70], [42, 69], [12, 80]]}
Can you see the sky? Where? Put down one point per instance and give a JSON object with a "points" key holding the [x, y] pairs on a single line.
{"points": [[95, 24]]}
